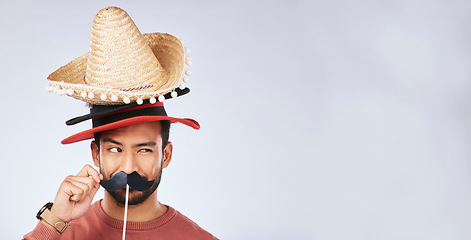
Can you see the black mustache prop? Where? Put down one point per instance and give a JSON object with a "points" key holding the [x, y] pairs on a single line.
{"points": [[119, 181]]}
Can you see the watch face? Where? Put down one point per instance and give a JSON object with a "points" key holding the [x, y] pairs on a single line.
{"points": [[46, 206]]}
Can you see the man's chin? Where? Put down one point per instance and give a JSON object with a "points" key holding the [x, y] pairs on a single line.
{"points": [[120, 197], [135, 197]]}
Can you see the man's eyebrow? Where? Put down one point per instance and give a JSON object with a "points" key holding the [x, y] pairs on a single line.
{"points": [[146, 144], [112, 141]]}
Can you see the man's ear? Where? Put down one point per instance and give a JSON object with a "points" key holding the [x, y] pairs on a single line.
{"points": [[95, 153], [167, 155]]}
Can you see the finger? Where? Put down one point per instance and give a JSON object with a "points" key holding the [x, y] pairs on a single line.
{"points": [[88, 181], [89, 171], [85, 190], [72, 191], [94, 190], [77, 191]]}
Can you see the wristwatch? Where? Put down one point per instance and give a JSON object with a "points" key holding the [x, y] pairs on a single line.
{"points": [[51, 219]]}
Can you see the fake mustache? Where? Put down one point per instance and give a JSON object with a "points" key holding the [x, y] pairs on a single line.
{"points": [[120, 179]]}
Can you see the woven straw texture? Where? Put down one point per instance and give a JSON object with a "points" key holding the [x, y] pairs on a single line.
{"points": [[122, 63]]}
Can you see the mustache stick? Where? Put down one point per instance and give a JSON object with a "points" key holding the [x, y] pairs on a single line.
{"points": [[125, 211], [121, 179]]}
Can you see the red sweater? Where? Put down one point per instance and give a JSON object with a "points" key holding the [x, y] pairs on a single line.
{"points": [[95, 224]]}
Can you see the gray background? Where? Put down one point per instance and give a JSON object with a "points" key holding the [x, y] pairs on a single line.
{"points": [[320, 119]]}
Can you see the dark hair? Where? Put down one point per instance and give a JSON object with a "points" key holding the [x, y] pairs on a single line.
{"points": [[164, 132]]}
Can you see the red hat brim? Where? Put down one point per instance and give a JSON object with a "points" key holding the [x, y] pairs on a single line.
{"points": [[88, 134]]}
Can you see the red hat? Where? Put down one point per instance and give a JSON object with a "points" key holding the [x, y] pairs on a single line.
{"points": [[108, 117]]}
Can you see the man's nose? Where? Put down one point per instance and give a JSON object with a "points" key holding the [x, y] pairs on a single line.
{"points": [[128, 165]]}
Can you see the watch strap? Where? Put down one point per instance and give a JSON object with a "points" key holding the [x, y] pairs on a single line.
{"points": [[54, 221]]}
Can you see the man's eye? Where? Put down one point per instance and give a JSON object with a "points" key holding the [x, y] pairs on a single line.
{"points": [[115, 149], [145, 150]]}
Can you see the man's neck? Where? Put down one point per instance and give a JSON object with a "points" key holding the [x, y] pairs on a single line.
{"points": [[149, 210]]}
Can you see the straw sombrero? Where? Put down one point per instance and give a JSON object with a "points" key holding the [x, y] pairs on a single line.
{"points": [[125, 77], [123, 65]]}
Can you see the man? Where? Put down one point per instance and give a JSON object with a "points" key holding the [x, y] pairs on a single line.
{"points": [[121, 77]]}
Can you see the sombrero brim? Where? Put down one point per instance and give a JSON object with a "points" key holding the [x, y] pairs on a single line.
{"points": [[104, 110], [88, 134], [169, 51]]}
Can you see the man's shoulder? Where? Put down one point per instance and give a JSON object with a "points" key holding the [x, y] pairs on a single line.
{"points": [[187, 227]]}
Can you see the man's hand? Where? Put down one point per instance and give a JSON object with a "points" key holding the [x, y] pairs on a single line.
{"points": [[76, 193]]}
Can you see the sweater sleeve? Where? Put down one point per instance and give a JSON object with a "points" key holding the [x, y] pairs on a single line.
{"points": [[42, 232]]}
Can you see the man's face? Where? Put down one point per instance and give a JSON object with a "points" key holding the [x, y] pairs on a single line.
{"points": [[133, 148]]}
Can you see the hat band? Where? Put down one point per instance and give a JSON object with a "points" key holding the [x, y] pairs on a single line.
{"points": [[151, 111]]}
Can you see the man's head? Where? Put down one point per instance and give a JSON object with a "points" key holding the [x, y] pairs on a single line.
{"points": [[143, 148]]}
